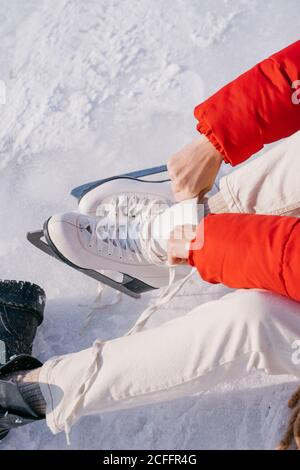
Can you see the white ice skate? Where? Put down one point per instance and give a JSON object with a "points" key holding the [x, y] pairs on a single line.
{"points": [[114, 232], [138, 192]]}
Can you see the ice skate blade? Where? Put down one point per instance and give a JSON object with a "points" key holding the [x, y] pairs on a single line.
{"points": [[80, 191], [129, 285], [3, 434]]}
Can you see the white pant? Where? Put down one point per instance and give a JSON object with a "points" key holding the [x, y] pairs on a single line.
{"points": [[218, 340]]}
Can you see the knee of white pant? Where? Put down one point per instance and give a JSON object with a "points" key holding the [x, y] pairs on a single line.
{"points": [[250, 306]]}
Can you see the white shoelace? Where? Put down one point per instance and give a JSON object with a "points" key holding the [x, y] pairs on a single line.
{"points": [[138, 213], [95, 367], [120, 226], [163, 299]]}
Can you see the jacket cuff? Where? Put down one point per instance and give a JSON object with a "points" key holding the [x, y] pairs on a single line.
{"points": [[204, 129]]}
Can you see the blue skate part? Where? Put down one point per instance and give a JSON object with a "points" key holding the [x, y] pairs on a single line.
{"points": [[80, 191]]}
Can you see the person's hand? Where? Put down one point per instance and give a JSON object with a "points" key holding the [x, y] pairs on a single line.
{"points": [[179, 244], [293, 428], [193, 169]]}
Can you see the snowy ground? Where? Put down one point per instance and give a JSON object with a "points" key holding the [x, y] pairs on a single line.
{"points": [[98, 87]]}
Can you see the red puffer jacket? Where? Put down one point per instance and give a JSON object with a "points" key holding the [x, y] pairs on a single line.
{"points": [[259, 107]]}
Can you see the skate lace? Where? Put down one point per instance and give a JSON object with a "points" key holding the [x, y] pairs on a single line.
{"points": [[120, 227], [144, 249], [84, 386], [130, 217], [95, 366], [166, 296]]}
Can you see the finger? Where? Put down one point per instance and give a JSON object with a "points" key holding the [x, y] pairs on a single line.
{"points": [[170, 259], [174, 261], [170, 254], [173, 257], [294, 399], [180, 261]]}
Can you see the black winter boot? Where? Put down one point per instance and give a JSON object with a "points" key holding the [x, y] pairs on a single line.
{"points": [[21, 312], [14, 411]]}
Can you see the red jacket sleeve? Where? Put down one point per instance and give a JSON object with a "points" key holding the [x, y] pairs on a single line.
{"points": [[255, 109], [250, 251]]}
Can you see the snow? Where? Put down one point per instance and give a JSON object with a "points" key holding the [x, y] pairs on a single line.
{"points": [[93, 89]]}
